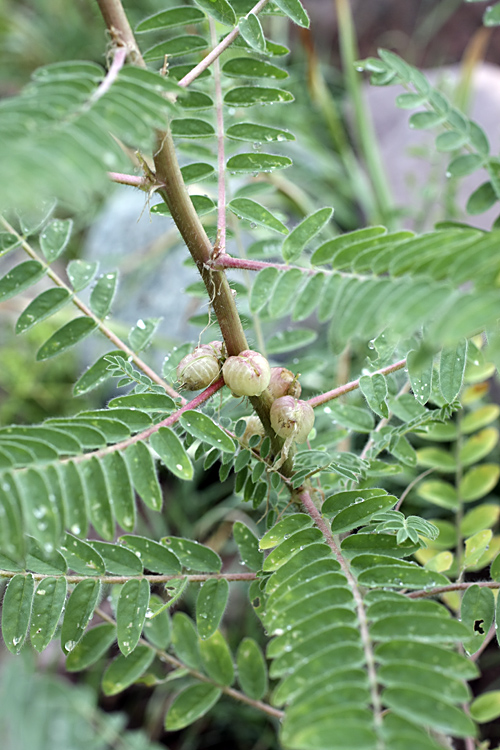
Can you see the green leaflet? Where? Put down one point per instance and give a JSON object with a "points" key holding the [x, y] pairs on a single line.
{"points": [[487, 706], [176, 47], [119, 560], [103, 294], [216, 659], [48, 604], [202, 204], [290, 547], [144, 401], [16, 611], [81, 273], [81, 557], [154, 557], [66, 337], [245, 208], [294, 10], [189, 705], [451, 370], [252, 669], [326, 253], [251, 31], [92, 646], [287, 341], [120, 490], [96, 374], [97, 496], [131, 614], [190, 127], [353, 417], [283, 529], [78, 613], [492, 15], [256, 162], [193, 555], [125, 670], [374, 389], [202, 427], [304, 232], [167, 19], [285, 293], [54, 238], [420, 374], [142, 333], [248, 96], [142, 472], [185, 640], [359, 513], [478, 482], [477, 613], [262, 287], [210, 606], [12, 535], [196, 172], [40, 508], [250, 131], [40, 561], [158, 627], [172, 453], [21, 277], [221, 10], [478, 446], [42, 307], [420, 707], [248, 546], [250, 67]]}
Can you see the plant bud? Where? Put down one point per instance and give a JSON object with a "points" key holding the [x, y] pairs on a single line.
{"points": [[248, 374], [254, 427], [283, 383], [292, 418], [199, 369]]}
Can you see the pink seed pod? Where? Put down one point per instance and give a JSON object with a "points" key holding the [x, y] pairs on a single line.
{"points": [[292, 418], [283, 383], [199, 369], [248, 374], [254, 427], [216, 348]]}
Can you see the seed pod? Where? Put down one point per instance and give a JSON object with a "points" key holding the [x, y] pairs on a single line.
{"points": [[248, 374], [292, 418], [283, 383], [254, 427], [216, 348], [199, 369]]}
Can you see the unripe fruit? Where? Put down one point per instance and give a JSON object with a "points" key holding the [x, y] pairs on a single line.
{"points": [[199, 369], [248, 374], [292, 418], [254, 427], [283, 383]]}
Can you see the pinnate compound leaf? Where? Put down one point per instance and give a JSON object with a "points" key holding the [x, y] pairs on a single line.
{"points": [[451, 370], [125, 670], [167, 19], [154, 556], [16, 611], [92, 646], [216, 659], [251, 31], [172, 453], [245, 208], [248, 545], [142, 472], [191, 704], [304, 232], [202, 427], [131, 614], [81, 273], [42, 307], [193, 555], [78, 613], [55, 237], [66, 337], [210, 606], [48, 604], [252, 669]]}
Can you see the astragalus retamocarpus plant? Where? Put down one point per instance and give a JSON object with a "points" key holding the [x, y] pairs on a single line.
{"points": [[363, 650]]}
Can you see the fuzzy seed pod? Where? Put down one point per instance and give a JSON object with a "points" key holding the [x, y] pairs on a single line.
{"points": [[283, 383], [248, 374], [199, 369], [254, 427], [292, 418]]}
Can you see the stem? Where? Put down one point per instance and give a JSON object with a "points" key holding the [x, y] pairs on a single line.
{"points": [[118, 62], [352, 386], [383, 423], [463, 586], [116, 20], [128, 179], [228, 261], [412, 484], [152, 579], [166, 657], [103, 328], [219, 49], [323, 526], [221, 161]]}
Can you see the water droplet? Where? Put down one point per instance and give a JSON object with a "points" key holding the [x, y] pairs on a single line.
{"points": [[69, 646]]}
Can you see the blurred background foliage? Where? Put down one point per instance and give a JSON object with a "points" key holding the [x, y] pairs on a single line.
{"points": [[33, 33]]}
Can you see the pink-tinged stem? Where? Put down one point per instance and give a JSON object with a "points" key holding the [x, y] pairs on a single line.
{"points": [[323, 398], [221, 161], [111, 76], [227, 261], [219, 49], [127, 179]]}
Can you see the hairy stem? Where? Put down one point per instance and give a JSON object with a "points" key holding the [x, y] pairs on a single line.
{"points": [[169, 659], [221, 161], [459, 586], [152, 579], [118, 62], [323, 398], [102, 327]]}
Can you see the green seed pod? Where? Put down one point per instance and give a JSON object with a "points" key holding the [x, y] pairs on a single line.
{"points": [[292, 418], [254, 427], [199, 369], [248, 374], [283, 383]]}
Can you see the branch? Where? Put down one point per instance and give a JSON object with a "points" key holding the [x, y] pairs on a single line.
{"points": [[118, 62], [129, 179], [353, 385], [152, 579], [219, 49], [453, 587], [221, 162], [115, 340], [169, 659], [224, 260]]}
